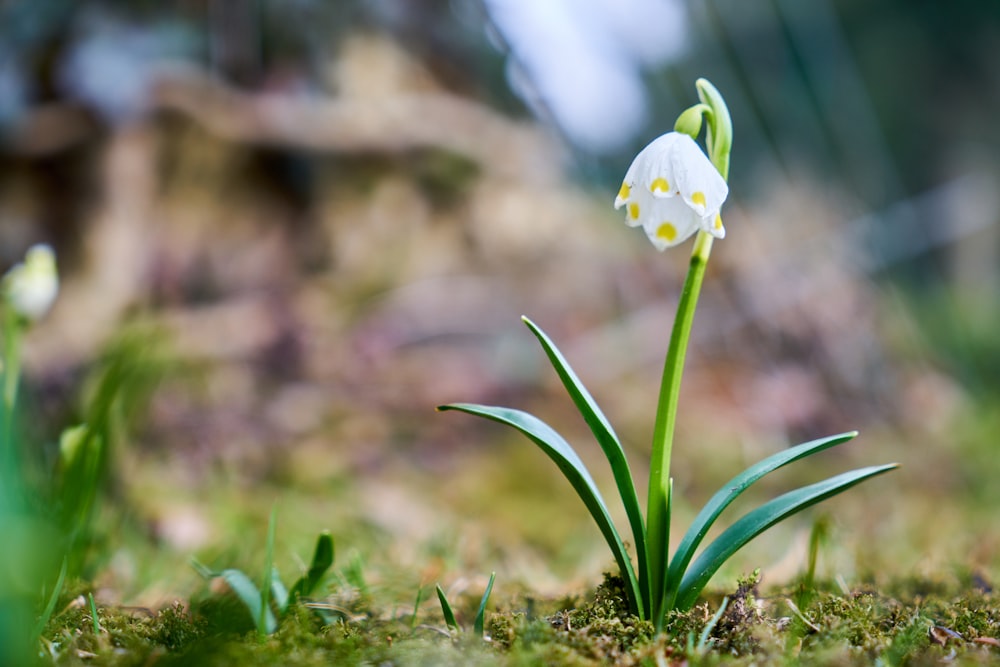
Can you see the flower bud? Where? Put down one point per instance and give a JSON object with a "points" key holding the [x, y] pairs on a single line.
{"points": [[31, 287], [71, 442], [689, 122]]}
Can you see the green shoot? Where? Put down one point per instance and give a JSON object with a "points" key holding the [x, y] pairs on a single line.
{"points": [[272, 592], [322, 561], [479, 623], [703, 640], [817, 536], [446, 610], [416, 607], [265, 588], [93, 614], [50, 605]]}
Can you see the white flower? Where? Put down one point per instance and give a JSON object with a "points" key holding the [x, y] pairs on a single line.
{"points": [[673, 190], [31, 286]]}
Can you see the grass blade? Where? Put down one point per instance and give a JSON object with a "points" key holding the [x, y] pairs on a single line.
{"points": [[416, 607], [727, 494], [757, 521], [247, 592], [575, 472], [93, 614], [481, 613], [609, 443], [50, 606], [449, 615], [265, 587]]}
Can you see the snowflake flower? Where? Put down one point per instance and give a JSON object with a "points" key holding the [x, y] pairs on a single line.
{"points": [[672, 190]]}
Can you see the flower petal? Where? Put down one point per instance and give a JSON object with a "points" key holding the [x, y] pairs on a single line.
{"points": [[700, 183], [623, 193], [634, 212], [669, 222], [714, 226]]}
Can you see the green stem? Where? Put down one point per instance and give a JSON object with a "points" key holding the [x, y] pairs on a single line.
{"points": [[658, 522], [12, 331], [718, 139]]}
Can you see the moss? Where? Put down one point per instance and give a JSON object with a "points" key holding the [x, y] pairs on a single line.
{"points": [[907, 621], [899, 622], [128, 636], [502, 628], [594, 632], [176, 628], [735, 632], [603, 627]]}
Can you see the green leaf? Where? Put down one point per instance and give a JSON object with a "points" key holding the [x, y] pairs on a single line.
{"points": [[93, 614], [609, 443], [278, 591], [248, 593], [757, 521], [727, 494], [266, 585], [321, 562], [416, 607], [481, 613], [449, 615], [50, 606], [703, 640], [575, 472]]}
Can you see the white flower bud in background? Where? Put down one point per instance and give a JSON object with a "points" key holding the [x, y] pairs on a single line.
{"points": [[30, 287]]}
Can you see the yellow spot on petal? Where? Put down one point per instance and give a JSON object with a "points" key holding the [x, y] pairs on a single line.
{"points": [[659, 185], [666, 231], [698, 198], [633, 211], [718, 221], [624, 191]]}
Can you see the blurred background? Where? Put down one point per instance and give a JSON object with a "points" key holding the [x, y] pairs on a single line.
{"points": [[327, 217]]}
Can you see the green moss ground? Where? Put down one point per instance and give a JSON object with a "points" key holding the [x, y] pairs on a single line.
{"points": [[954, 619]]}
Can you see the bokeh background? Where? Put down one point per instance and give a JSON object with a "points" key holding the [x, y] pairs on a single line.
{"points": [[327, 217]]}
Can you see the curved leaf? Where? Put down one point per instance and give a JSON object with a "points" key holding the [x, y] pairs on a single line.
{"points": [[575, 472], [609, 443], [322, 560], [757, 521], [247, 591], [278, 592], [446, 610], [727, 494]]}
